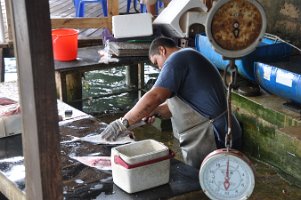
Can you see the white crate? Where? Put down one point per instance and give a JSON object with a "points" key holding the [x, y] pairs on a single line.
{"points": [[133, 25], [10, 125], [141, 165]]}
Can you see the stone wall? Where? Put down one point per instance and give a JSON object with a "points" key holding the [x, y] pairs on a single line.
{"points": [[284, 19], [271, 132]]}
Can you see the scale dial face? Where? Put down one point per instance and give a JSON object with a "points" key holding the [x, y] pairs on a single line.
{"points": [[227, 175], [235, 27]]}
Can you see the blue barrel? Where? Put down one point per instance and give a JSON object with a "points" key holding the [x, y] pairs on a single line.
{"points": [[267, 50], [278, 81]]}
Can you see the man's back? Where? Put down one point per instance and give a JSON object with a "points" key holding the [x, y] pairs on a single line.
{"points": [[197, 82]]}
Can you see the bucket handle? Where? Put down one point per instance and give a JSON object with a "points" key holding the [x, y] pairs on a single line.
{"points": [[118, 160]]}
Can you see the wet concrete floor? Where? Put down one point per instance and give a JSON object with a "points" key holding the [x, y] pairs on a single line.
{"points": [[269, 184]]}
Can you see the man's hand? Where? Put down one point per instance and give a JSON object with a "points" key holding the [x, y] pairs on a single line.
{"points": [[114, 130]]}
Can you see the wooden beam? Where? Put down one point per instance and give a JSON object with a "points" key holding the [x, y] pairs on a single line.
{"points": [[140, 79], [83, 22], [113, 7], [9, 20], [80, 22], [74, 89], [9, 189], [33, 48], [2, 65]]}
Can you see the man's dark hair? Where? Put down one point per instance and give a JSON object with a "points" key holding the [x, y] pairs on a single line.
{"points": [[160, 41]]}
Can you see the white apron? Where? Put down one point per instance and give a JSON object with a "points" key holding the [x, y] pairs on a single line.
{"points": [[194, 132]]}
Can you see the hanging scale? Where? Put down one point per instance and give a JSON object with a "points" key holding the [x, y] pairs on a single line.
{"points": [[234, 28]]}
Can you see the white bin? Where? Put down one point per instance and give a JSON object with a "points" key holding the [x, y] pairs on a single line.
{"points": [[10, 125], [141, 165], [132, 25]]}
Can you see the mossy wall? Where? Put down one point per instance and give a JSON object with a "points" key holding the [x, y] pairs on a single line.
{"points": [[284, 17], [269, 134]]}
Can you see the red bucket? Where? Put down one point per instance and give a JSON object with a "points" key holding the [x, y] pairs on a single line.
{"points": [[64, 42]]}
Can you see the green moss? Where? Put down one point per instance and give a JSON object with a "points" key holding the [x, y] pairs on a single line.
{"points": [[264, 142], [266, 113]]}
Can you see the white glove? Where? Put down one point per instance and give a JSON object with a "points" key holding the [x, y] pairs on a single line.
{"points": [[114, 130]]}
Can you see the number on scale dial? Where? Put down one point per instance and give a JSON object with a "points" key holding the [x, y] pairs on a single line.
{"points": [[226, 176]]}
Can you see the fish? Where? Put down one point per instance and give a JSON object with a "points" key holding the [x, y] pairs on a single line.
{"points": [[8, 107], [97, 139], [6, 101], [98, 162]]}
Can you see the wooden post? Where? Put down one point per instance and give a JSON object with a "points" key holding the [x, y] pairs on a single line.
{"points": [[33, 48], [74, 90], [131, 76], [60, 80], [140, 79], [2, 65], [135, 77], [69, 88], [9, 20]]}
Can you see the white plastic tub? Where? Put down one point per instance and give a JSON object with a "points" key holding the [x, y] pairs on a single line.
{"points": [[132, 25], [141, 165], [10, 125]]}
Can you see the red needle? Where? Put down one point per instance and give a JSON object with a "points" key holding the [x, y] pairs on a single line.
{"points": [[226, 182]]}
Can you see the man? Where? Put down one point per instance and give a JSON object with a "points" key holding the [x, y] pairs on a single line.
{"points": [[190, 90]]}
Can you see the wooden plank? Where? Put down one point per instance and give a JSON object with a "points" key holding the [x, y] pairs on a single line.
{"points": [[38, 99], [74, 89], [9, 20], [113, 7], [89, 32], [93, 10], [81, 22], [103, 22], [62, 8], [2, 65], [10, 190], [93, 33], [59, 8], [60, 80], [140, 79]]}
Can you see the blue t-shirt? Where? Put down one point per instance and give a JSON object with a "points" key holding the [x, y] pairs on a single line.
{"points": [[191, 77]]}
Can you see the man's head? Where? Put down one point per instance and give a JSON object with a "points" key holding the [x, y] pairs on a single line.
{"points": [[160, 49]]}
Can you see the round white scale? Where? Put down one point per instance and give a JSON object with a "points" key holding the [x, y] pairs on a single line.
{"points": [[226, 174], [234, 28]]}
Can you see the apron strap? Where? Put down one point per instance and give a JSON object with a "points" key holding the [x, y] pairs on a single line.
{"points": [[217, 117]]}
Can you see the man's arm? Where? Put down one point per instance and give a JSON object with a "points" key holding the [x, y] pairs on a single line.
{"points": [[147, 104], [162, 111]]}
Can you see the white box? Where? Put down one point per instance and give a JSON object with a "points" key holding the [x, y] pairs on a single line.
{"points": [[141, 165], [10, 125], [133, 25]]}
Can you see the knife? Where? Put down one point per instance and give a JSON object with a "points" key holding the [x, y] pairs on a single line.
{"points": [[137, 124]]}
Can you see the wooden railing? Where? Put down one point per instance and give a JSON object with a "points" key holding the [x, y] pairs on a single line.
{"points": [[96, 22]]}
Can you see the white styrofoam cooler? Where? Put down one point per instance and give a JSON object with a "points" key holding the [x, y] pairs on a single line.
{"points": [[132, 25], [10, 125], [141, 165]]}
